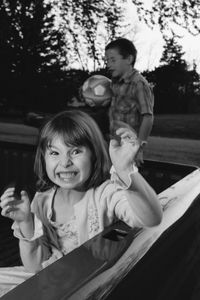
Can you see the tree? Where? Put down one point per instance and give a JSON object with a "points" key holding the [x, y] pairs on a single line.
{"points": [[173, 83], [88, 24], [31, 48], [173, 52], [185, 13], [165, 13]]}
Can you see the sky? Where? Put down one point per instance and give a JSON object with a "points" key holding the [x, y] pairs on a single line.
{"points": [[149, 43]]}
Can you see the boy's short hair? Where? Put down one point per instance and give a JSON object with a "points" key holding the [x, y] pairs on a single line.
{"points": [[76, 128], [125, 48]]}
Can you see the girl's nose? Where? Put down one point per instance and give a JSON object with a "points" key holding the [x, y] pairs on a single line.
{"points": [[66, 161]]}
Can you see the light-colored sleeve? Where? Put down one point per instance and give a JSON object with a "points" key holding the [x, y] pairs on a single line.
{"points": [[119, 184], [118, 198], [144, 206], [38, 230], [120, 206], [35, 250]]}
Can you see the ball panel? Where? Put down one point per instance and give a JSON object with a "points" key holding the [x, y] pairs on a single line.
{"points": [[96, 90], [99, 90]]}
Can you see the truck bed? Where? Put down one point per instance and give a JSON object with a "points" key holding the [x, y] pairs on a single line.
{"points": [[165, 256], [16, 161]]}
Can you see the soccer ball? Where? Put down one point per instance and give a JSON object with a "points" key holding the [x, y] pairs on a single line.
{"points": [[96, 90]]}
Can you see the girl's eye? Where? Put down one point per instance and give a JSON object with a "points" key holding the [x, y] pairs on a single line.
{"points": [[53, 153], [75, 151]]}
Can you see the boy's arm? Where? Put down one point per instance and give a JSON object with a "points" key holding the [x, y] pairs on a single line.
{"points": [[145, 128], [145, 99], [143, 134]]}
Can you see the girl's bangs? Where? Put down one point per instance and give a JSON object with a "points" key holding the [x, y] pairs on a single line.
{"points": [[71, 135], [74, 137]]}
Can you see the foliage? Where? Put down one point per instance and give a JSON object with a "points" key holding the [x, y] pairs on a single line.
{"points": [[88, 24], [31, 37], [34, 53], [30, 48], [185, 13], [174, 84], [173, 52], [174, 88]]}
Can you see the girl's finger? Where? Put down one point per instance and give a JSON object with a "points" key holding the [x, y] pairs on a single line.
{"points": [[114, 143], [6, 210], [129, 135], [7, 201], [24, 195], [118, 124], [9, 192], [123, 130], [9, 189]]}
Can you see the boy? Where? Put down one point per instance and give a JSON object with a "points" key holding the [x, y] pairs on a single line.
{"points": [[133, 99]]}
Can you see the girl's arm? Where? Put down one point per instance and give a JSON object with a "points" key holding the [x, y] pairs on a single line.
{"points": [[33, 253], [144, 201], [33, 241], [27, 228], [142, 198]]}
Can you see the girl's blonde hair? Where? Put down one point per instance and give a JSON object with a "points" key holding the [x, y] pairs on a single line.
{"points": [[76, 128]]}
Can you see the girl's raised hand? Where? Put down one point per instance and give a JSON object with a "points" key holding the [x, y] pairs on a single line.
{"points": [[123, 148], [17, 209]]}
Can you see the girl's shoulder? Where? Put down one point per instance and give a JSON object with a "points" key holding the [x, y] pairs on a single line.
{"points": [[113, 184], [105, 190], [107, 183], [42, 199], [44, 194]]}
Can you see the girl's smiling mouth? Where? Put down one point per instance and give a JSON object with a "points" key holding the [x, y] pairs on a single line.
{"points": [[67, 175]]}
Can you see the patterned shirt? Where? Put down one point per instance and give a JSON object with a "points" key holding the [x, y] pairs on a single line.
{"points": [[67, 235], [132, 98]]}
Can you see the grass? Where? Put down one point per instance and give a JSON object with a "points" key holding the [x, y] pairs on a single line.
{"points": [[179, 126], [175, 138]]}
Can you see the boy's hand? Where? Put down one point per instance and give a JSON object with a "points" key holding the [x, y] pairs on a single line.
{"points": [[17, 209], [123, 151]]}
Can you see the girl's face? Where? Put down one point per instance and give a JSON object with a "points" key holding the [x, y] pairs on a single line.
{"points": [[68, 167], [116, 64]]}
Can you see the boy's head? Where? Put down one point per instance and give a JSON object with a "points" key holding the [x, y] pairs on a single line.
{"points": [[120, 56]]}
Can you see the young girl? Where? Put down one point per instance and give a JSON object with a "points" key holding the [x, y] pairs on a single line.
{"points": [[77, 197]]}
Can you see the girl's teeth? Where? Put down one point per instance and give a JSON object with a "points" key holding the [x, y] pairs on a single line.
{"points": [[67, 175]]}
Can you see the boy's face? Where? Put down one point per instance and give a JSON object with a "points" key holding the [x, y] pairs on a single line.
{"points": [[116, 64]]}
